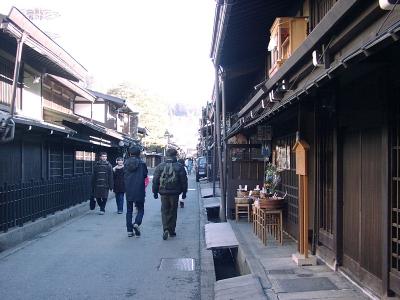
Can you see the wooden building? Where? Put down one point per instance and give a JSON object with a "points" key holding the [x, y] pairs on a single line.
{"points": [[332, 81], [47, 158]]}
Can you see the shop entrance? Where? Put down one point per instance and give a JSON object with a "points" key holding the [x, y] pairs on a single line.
{"points": [[362, 205], [245, 166]]}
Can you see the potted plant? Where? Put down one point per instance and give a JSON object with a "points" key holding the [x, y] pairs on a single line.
{"points": [[271, 178]]}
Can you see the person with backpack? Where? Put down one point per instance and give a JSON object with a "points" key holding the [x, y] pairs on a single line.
{"points": [[135, 173], [169, 180], [102, 181]]}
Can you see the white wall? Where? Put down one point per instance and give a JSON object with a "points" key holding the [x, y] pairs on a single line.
{"points": [[83, 109], [31, 97]]}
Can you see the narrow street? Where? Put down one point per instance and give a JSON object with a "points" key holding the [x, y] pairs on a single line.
{"points": [[92, 257]]}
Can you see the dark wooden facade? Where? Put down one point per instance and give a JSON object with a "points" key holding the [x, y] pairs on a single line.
{"points": [[346, 108], [48, 164]]}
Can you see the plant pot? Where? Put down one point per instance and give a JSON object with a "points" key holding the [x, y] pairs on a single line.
{"points": [[271, 203], [241, 194]]}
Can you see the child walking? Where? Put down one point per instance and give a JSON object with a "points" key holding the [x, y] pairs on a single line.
{"points": [[119, 184]]}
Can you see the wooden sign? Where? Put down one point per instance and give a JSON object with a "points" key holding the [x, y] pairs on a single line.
{"points": [[301, 148], [264, 133]]}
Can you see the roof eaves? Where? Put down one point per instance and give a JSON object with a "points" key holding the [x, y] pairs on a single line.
{"points": [[107, 97], [75, 88], [16, 23]]}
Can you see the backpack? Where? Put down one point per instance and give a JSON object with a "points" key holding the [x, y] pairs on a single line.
{"points": [[168, 178]]}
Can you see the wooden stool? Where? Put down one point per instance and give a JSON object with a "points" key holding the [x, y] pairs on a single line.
{"points": [[254, 218], [242, 209], [273, 225]]}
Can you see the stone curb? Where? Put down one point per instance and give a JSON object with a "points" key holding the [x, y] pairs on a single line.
{"points": [[207, 270]]}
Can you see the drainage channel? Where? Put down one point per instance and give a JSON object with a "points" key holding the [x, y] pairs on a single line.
{"points": [[225, 259]]}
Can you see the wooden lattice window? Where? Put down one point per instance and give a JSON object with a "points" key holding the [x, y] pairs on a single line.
{"points": [[56, 161], [319, 8], [395, 197], [290, 184], [325, 174]]}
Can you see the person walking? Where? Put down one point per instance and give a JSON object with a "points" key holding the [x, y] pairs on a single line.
{"points": [[169, 180], [181, 200], [119, 184], [102, 181], [135, 173], [189, 165]]}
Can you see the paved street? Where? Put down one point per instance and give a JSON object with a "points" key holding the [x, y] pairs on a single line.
{"points": [[92, 258]]}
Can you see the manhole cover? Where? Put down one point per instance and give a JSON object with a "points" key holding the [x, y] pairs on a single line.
{"points": [[305, 275], [283, 271], [305, 285], [180, 264]]}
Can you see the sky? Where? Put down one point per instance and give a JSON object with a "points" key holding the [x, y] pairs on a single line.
{"points": [[161, 46]]}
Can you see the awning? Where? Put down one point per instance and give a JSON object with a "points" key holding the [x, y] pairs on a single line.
{"points": [[126, 106], [75, 88], [240, 28], [39, 50], [96, 129], [19, 120], [113, 99]]}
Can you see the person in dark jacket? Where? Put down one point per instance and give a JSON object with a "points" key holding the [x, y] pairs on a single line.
{"points": [[102, 181], [169, 180], [181, 200], [135, 172], [119, 184]]}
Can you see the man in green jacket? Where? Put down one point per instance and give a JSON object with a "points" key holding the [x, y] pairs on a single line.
{"points": [[169, 180]]}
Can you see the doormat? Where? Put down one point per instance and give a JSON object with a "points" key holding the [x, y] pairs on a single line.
{"points": [[282, 271], [177, 264]]}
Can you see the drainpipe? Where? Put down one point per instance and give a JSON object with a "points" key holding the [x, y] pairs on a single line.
{"points": [[17, 68], [8, 123]]}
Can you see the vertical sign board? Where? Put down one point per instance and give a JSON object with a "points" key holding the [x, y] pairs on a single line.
{"points": [[301, 148]]}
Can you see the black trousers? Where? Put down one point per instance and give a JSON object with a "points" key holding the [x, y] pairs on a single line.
{"points": [[169, 208], [102, 203], [129, 214]]}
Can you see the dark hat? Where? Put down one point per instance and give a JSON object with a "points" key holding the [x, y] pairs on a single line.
{"points": [[134, 150], [171, 152]]}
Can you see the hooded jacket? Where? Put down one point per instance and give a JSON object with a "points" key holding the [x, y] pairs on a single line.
{"points": [[182, 184], [135, 171], [102, 179]]}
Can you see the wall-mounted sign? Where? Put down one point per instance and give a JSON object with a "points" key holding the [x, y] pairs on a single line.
{"points": [[264, 133], [282, 157]]}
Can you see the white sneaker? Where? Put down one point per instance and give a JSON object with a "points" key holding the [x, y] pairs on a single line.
{"points": [[136, 230], [101, 212]]}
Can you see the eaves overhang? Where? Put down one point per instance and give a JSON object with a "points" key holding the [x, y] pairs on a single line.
{"points": [[322, 76], [325, 27], [39, 49]]}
